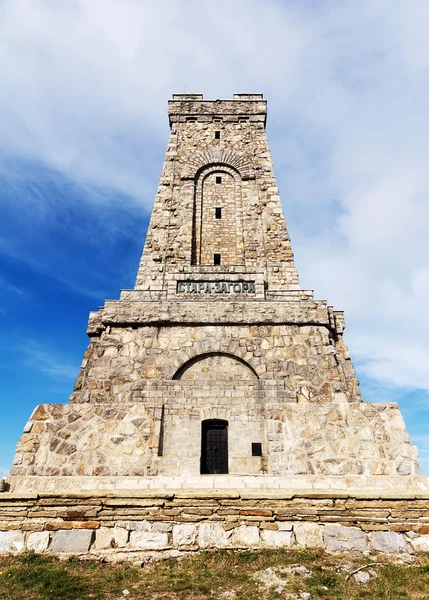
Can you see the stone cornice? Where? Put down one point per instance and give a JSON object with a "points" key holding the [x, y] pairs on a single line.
{"points": [[196, 312]]}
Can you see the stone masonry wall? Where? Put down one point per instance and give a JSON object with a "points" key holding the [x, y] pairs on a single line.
{"points": [[121, 359], [309, 441], [60, 439], [231, 134], [141, 527]]}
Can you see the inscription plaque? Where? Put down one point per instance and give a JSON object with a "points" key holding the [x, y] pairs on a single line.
{"points": [[215, 287]]}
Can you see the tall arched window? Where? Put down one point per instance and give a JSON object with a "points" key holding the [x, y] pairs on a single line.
{"points": [[217, 228]]}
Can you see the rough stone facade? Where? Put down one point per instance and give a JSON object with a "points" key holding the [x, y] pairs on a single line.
{"points": [[215, 350], [298, 439]]}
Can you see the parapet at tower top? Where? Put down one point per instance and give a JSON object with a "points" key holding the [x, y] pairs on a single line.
{"points": [[187, 107], [234, 97]]}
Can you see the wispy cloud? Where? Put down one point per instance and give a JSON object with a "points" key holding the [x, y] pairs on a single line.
{"points": [[8, 293], [48, 361], [7, 286], [422, 442], [53, 224]]}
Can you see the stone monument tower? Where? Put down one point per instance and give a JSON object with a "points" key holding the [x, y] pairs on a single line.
{"points": [[217, 370]]}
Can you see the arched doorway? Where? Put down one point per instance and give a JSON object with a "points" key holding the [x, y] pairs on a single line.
{"points": [[214, 446]]}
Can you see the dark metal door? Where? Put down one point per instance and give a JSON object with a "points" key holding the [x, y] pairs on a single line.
{"points": [[214, 451]]}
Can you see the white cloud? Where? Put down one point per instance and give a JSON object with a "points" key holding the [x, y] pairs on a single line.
{"points": [[84, 91], [48, 360], [423, 445], [9, 288]]}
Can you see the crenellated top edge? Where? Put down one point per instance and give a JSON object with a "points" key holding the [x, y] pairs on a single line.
{"points": [[239, 96], [193, 106]]}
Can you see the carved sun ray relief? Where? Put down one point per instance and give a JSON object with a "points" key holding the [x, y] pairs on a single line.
{"points": [[217, 371]]}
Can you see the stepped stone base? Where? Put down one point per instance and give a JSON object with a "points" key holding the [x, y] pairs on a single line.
{"points": [[140, 526]]}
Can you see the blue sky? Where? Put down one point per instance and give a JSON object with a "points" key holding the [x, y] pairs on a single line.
{"points": [[83, 130]]}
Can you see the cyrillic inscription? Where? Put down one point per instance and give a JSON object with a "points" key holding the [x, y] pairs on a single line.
{"points": [[216, 287]]}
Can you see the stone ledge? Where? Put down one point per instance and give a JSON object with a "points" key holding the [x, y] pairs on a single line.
{"points": [[358, 486], [4, 496], [235, 312], [131, 498]]}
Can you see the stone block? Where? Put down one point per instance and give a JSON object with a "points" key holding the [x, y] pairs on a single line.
{"points": [[421, 543], [362, 576], [339, 538], [308, 535], [139, 526], [411, 535], [389, 542], [149, 540], [184, 535], [71, 540], [245, 536], [212, 535], [38, 541], [11, 541], [276, 539], [256, 513], [160, 526], [405, 467], [111, 537]]}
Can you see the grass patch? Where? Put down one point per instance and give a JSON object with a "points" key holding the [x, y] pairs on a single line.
{"points": [[221, 574], [43, 577], [39, 577]]}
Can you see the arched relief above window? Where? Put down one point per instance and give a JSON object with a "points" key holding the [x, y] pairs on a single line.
{"points": [[216, 366], [217, 155]]}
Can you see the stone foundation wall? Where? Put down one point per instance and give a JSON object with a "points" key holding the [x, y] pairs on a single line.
{"points": [[142, 526]]}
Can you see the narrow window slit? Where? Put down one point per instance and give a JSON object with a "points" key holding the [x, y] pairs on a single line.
{"points": [[256, 449], [218, 212], [218, 179], [217, 135], [216, 259]]}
